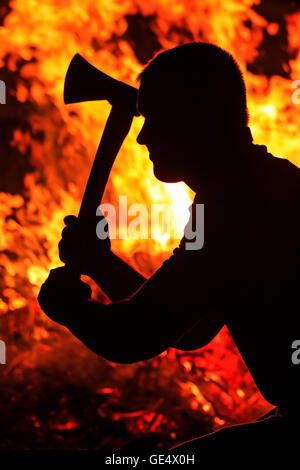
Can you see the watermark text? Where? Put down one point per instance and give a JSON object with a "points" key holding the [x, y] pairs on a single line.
{"points": [[159, 222]]}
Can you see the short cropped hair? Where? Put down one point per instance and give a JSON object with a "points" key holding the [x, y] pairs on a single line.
{"points": [[197, 77]]}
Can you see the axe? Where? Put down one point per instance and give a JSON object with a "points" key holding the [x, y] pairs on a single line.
{"points": [[84, 82]]}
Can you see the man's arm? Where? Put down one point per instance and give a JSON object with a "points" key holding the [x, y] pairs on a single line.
{"points": [[81, 247], [115, 277], [136, 339], [202, 333], [117, 332], [169, 304]]}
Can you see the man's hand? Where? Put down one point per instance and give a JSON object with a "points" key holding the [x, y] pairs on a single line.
{"points": [[80, 246], [62, 294]]}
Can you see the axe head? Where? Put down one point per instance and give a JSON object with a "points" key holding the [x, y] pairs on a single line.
{"points": [[84, 82]]}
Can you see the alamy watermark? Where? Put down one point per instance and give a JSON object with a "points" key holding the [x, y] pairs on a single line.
{"points": [[2, 352], [296, 93], [2, 92], [158, 222], [296, 354]]}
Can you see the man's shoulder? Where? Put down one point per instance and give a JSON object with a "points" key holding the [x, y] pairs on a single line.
{"points": [[285, 166], [279, 175], [282, 165]]}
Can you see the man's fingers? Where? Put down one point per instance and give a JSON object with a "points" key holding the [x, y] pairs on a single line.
{"points": [[60, 294], [70, 220], [64, 280], [63, 254], [69, 232]]}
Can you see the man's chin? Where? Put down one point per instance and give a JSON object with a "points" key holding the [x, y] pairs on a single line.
{"points": [[165, 176]]}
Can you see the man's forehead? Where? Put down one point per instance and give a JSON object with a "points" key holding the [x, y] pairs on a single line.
{"points": [[157, 100], [153, 110], [143, 102], [150, 100]]}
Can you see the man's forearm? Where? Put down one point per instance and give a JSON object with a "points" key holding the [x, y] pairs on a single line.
{"points": [[112, 331], [117, 279]]}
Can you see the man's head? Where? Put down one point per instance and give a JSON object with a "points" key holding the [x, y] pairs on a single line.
{"points": [[193, 98]]}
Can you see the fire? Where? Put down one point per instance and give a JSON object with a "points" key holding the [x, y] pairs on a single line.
{"points": [[56, 143]]}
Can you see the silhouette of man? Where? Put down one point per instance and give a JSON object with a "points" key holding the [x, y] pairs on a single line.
{"points": [[193, 99]]}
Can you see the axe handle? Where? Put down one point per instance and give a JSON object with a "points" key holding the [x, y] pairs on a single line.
{"points": [[116, 129]]}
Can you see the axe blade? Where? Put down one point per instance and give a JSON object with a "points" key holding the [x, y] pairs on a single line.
{"points": [[84, 82]]}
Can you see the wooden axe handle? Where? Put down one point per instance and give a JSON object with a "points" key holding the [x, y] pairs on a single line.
{"points": [[116, 129]]}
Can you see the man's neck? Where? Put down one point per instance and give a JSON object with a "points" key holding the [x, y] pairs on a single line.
{"points": [[227, 176]]}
